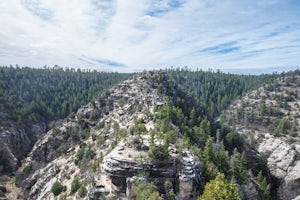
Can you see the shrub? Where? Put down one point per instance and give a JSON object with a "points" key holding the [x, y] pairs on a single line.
{"points": [[20, 177], [85, 153], [158, 153], [147, 191], [169, 190], [57, 188], [75, 185], [27, 169], [55, 131], [94, 115], [100, 125], [221, 189], [85, 133], [101, 140], [82, 191]]}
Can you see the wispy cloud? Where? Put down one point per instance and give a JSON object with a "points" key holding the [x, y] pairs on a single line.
{"points": [[158, 8], [145, 34], [38, 9], [104, 62], [224, 48]]}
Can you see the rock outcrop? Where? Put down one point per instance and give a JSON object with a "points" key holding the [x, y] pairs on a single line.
{"points": [[283, 165], [280, 155], [290, 185], [15, 143], [123, 164]]}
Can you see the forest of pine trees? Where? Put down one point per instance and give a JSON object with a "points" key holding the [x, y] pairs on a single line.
{"points": [[30, 95]]}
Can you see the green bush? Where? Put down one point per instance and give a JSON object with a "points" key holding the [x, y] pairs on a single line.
{"points": [[94, 115], [55, 131], [158, 153], [147, 191], [100, 125], [85, 153], [75, 185], [234, 140], [27, 169], [25, 172], [101, 140], [221, 189], [85, 133], [82, 191], [58, 188]]}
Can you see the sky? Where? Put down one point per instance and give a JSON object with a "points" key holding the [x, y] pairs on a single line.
{"points": [[240, 36]]}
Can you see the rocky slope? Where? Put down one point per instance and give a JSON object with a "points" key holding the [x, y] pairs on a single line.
{"points": [[106, 147], [269, 118], [15, 143]]}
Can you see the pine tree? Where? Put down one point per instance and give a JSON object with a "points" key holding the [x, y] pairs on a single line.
{"points": [[220, 189], [265, 187], [221, 158], [208, 152], [238, 169]]}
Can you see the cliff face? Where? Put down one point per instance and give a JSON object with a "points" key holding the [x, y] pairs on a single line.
{"points": [[106, 146], [123, 166], [15, 143], [269, 118]]}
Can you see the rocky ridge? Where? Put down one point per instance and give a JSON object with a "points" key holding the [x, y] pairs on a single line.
{"points": [[106, 147]]}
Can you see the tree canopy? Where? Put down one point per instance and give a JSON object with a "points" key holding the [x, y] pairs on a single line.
{"points": [[30, 95], [220, 189]]}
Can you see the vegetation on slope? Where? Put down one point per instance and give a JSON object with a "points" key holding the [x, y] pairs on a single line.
{"points": [[274, 106], [186, 121], [220, 188], [29, 95], [195, 100], [207, 92]]}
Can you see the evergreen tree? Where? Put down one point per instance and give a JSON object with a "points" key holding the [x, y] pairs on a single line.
{"points": [[265, 187], [208, 152], [221, 160], [220, 189], [147, 191], [238, 168]]}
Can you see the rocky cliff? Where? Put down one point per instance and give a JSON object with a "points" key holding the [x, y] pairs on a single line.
{"points": [[15, 143]]}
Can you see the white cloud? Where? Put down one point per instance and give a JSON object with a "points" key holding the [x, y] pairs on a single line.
{"points": [[135, 35]]}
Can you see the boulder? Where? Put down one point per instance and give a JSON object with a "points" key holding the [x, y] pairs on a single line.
{"points": [[290, 185], [282, 165], [280, 155]]}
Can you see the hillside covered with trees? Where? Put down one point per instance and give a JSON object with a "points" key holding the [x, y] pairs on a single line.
{"points": [[32, 98], [30, 95], [168, 134]]}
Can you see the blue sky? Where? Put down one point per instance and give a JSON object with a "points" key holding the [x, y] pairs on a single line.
{"points": [[252, 36]]}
